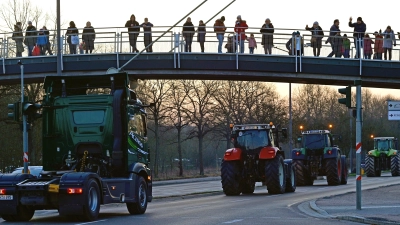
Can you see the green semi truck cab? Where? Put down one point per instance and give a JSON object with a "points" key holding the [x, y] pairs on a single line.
{"points": [[384, 156], [95, 151]]}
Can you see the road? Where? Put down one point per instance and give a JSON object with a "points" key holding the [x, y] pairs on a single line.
{"points": [[214, 207]]}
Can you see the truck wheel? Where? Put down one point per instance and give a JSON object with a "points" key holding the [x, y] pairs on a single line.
{"points": [[9, 218], [345, 171], [303, 178], [333, 168], [290, 177], [140, 206], [370, 167], [395, 165], [275, 176], [91, 206], [248, 187], [230, 178]]}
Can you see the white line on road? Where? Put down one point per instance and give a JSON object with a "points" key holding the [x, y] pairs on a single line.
{"points": [[91, 222], [241, 200], [197, 206], [233, 221]]}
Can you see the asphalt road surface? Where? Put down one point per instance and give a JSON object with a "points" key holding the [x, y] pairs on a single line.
{"points": [[214, 207]]}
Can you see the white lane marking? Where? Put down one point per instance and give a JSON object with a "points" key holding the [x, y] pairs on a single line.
{"points": [[197, 206], [234, 221], [323, 188], [91, 222], [241, 200], [271, 217]]}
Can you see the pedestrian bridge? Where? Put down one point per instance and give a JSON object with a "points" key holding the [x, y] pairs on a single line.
{"points": [[165, 63]]}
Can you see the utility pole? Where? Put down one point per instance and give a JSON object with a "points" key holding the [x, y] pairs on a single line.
{"points": [[59, 44], [358, 143], [290, 119], [24, 122]]}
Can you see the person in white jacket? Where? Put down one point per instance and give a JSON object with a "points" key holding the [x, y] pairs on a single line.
{"points": [[389, 40]]}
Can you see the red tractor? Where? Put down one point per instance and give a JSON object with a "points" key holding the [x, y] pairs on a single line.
{"points": [[256, 157]]}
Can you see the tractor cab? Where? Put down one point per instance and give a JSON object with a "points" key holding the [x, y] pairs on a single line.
{"points": [[385, 143], [316, 139]]}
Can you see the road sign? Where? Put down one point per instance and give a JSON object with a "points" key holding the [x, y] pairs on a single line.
{"points": [[393, 105], [394, 115]]}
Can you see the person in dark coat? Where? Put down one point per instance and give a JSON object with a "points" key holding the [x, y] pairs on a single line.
{"points": [[133, 29], [188, 33], [295, 45], [30, 37], [332, 33], [201, 34], [337, 44], [72, 31], [18, 38], [48, 46], [316, 38], [88, 37], [147, 34], [359, 32], [267, 30]]}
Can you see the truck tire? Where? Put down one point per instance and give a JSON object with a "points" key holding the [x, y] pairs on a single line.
{"points": [[275, 175], [290, 177], [91, 206], [230, 178], [370, 167], [303, 177], [345, 171], [333, 169], [24, 214], [395, 165], [248, 187], [140, 206]]}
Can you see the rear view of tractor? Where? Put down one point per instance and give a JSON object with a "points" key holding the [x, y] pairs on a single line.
{"points": [[318, 156], [384, 156], [256, 157]]}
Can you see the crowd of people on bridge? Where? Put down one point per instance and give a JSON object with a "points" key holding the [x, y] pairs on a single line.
{"points": [[382, 43]]}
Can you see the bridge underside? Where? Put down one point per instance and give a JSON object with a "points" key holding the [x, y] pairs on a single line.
{"points": [[196, 66]]}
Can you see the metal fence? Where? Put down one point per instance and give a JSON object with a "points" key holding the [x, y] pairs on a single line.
{"points": [[116, 40]]}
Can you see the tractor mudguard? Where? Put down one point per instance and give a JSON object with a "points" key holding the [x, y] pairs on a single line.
{"points": [[392, 152], [72, 204], [268, 152], [9, 182], [233, 154], [298, 153], [374, 153], [331, 153]]}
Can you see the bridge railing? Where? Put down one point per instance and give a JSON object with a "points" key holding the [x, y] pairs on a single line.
{"points": [[116, 39]]}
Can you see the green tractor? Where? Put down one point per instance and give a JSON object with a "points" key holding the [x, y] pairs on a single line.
{"points": [[384, 156]]}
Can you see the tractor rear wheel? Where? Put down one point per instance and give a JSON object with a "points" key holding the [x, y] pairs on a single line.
{"points": [[303, 177], [290, 176], [370, 167], [231, 178], [333, 169], [345, 171], [275, 176], [395, 165]]}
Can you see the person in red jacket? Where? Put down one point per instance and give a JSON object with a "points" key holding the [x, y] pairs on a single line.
{"points": [[240, 28], [378, 46]]}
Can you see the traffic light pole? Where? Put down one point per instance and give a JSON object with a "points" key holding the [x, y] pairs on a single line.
{"points": [[358, 144], [24, 125]]}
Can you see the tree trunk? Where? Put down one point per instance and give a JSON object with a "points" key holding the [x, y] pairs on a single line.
{"points": [[180, 152], [201, 166]]}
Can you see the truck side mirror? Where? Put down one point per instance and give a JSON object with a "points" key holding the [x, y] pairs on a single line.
{"points": [[284, 132]]}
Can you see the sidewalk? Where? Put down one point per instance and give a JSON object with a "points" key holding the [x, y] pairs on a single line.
{"points": [[379, 206], [182, 181]]}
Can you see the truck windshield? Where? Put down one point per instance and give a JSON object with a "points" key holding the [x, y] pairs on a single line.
{"points": [[88, 117], [314, 141], [252, 139], [383, 145]]}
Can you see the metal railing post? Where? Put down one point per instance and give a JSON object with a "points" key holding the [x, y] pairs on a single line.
{"points": [[360, 43], [62, 53], [237, 50], [301, 53], [179, 53]]}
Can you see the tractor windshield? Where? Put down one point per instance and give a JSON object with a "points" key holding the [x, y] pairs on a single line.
{"points": [[383, 145], [314, 141], [252, 139]]}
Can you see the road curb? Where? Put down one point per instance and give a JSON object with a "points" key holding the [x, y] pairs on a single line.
{"points": [[317, 209], [182, 181], [359, 219]]}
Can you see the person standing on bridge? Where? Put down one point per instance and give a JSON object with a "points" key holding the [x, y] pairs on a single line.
{"points": [[359, 31], [188, 33], [346, 47], [48, 46], [332, 33], [267, 31], [389, 40], [219, 29], [378, 46], [147, 34], [367, 47], [295, 45], [72, 31], [42, 42], [240, 28], [133, 30], [88, 37], [201, 34], [30, 37], [18, 38], [316, 38]]}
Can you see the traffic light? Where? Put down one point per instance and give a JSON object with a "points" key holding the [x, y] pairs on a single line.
{"points": [[14, 115], [30, 110], [346, 91]]}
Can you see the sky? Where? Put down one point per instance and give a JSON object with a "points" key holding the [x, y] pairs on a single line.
{"points": [[292, 14]]}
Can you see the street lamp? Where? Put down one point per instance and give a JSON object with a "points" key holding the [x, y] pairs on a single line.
{"points": [[372, 136], [330, 126], [301, 127]]}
